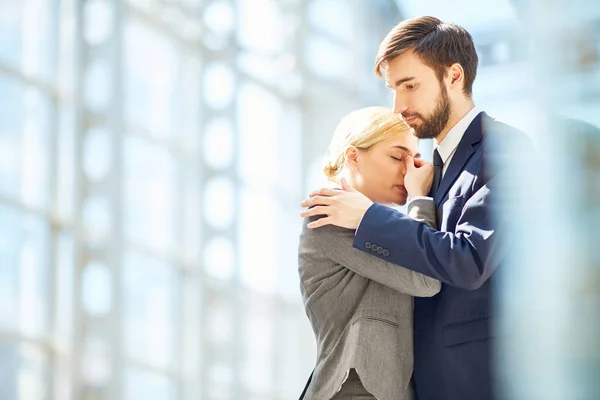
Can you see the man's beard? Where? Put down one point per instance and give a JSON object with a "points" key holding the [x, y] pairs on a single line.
{"points": [[438, 119]]}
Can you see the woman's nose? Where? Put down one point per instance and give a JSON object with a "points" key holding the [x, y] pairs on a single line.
{"points": [[403, 166]]}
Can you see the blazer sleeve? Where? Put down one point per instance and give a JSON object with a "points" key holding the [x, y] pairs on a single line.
{"points": [[336, 244], [465, 258]]}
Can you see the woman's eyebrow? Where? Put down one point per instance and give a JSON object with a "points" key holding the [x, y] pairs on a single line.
{"points": [[418, 155]]}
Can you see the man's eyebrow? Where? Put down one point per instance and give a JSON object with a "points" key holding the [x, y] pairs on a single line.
{"points": [[399, 82], [418, 155]]}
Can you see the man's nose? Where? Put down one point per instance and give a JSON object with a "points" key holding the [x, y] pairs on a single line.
{"points": [[399, 105]]}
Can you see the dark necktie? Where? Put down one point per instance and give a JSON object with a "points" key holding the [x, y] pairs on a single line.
{"points": [[438, 166]]}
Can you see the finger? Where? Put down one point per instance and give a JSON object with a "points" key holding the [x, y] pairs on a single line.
{"points": [[324, 192], [419, 162], [409, 163], [319, 210], [317, 201], [346, 186], [320, 222]]}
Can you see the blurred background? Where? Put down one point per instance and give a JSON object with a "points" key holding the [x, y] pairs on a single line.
{"points": [[153, 155]]}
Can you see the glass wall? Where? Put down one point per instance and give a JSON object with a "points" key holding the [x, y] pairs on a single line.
{"points": [[153, 155]]}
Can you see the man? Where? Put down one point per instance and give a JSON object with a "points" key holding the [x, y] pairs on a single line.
{"points": [[430, 66]]}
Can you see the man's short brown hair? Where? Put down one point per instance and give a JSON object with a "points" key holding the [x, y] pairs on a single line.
{"points": [[439, 44]]}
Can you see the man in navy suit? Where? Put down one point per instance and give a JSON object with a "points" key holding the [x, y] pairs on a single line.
{"points": [[430, 66]]}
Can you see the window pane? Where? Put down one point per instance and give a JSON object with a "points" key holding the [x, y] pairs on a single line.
{"points": [[258, 253], [329, 60], [24, 372], [261, 25], [218, 143], [66, 162], [191, 317], [148, 386], [29, 36], [151, 67], [257, 367], [295, 347], [98, 85], [219, 356], [334, 18], [97, 219], [150, 179], [64, 291], [258, 116], [191, 216], [96, 288], [25, 137], [10, 31], [98, 21], [97, 153], [219, 202], [24, 273], [219, 85], [149, 314], [289, 226], [218, 16], [188, 106], [96, 369], [219, 256]]}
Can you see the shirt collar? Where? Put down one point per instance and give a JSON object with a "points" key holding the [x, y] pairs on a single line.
{"points": [[452, 139]]}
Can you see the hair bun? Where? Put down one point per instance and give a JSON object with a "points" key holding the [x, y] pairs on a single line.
{"points": [[330, 171]]}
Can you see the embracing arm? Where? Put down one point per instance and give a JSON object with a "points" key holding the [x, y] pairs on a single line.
{"points": [[464, 258], [336, 243]]}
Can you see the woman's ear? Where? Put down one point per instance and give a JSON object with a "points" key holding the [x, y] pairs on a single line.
{"points": [[352, 158]]}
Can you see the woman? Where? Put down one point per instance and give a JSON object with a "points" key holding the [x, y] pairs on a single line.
{"points": [[360, 306]]}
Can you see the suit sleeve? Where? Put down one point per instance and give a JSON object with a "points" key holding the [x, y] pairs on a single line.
{"points": [[336, 244], [464, 258]]}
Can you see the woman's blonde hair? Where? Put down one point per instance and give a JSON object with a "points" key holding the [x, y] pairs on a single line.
{"points": [[361, 129]]}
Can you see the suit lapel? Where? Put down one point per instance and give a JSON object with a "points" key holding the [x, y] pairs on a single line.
{"points": [[464, 151]]}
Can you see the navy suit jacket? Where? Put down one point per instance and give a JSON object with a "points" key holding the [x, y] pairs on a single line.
{"points": [[453, 330]]}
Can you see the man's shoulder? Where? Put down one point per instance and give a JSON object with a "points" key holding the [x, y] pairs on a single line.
{"points": [[494, 128], [502, 139]]}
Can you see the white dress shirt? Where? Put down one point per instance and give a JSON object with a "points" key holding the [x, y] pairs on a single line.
{"points": [[447, 147]]}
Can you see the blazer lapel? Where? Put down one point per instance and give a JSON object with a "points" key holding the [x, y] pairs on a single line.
{"points": [[464, 151]]}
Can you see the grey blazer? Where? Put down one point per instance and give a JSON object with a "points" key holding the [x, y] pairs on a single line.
{"points": [[361, 310]]}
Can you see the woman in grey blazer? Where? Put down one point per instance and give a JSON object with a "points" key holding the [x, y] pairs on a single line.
{"points": [[360, 307]]}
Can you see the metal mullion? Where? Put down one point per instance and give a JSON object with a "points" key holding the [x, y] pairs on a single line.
{"points": [[54, 234], [78, 241], [150, 252], [114, 247], [46, 344], [149, 367], [178, 336], [29, 80], [53, 206], [53, 218], [171, 145], [238, 312]]}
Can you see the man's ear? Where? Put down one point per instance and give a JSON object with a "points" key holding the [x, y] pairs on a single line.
{"points": [[457, 75], [352, 158]]}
